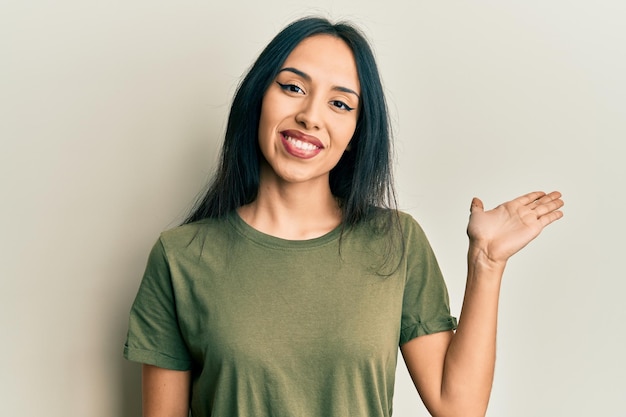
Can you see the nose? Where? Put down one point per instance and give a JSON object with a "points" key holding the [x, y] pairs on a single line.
{"points": [[309, 116]]}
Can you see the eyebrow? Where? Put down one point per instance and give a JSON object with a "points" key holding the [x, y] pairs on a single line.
{"points": [[308, 78]]}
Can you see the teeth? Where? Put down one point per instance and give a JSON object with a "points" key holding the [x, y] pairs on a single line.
{"points": [[305, 146]]}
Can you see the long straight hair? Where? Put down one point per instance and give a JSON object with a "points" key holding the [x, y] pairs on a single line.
{"points": [[361, 180]]}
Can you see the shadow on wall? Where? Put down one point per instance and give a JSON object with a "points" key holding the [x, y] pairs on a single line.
{"points": [[130, 385], [127, 377]]}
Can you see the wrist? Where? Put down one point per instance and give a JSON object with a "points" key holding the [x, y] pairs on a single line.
{"points": [[478, 259]]}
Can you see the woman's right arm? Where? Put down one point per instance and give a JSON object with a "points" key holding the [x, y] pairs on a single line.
{"points": [[165, 393]]}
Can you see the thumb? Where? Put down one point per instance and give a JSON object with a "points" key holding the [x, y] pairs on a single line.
{"points": [[477, 205]]}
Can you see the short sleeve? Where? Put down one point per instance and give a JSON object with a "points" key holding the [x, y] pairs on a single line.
{"points": [[154, 336], [425, 304]]}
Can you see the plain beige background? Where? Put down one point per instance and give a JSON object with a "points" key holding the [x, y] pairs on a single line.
{"points": [[111, 114]]}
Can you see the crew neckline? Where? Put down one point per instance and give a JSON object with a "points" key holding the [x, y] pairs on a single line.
{"points": [[264, 239]]}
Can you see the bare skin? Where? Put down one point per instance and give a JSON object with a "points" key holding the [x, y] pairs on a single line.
{"points": [[165, 393], [316, 97], [452, 371]]}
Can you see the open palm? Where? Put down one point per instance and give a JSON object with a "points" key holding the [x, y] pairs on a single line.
{"points": [[504, 230]]}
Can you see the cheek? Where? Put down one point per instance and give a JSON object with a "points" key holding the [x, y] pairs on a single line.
{"points": [[266, 122], [268, 108], [275, 105], [265, 115], [346, 131]]}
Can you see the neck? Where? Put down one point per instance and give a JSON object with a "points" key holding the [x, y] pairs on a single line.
{"points": [[294, 211]]}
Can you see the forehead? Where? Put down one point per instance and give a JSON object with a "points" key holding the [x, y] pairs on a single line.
{"points": [[325, 58]]}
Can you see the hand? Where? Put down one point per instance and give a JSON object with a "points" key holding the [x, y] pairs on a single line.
{"points": [[503, 231]]}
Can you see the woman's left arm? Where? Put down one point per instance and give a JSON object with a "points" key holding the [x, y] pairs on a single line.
{"points": [[453, 372]]}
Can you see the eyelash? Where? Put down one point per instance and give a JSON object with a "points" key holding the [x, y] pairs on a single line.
{"points": [[342, 105], [292, 88]]}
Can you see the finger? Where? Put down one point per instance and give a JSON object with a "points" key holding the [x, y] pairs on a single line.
{"points": [[477, 204], [550, 217], [548, 207], [530, 197], [554, 195], [537, 203], [547, 200]]}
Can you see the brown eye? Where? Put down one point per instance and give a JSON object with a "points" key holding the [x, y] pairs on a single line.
{"points": [[292, 88], [341, 105]]}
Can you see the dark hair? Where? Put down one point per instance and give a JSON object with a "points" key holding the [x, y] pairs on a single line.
{"points": [[362, 179]]}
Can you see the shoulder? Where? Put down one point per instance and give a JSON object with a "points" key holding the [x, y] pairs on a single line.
{"points": [[406, 219], [188, 235], [413, 234], [394, 222], [401, 229], [409, 224], [391, 237]]}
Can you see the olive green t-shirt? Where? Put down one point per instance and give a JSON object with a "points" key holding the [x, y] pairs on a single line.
{"points": [[279, 328]]}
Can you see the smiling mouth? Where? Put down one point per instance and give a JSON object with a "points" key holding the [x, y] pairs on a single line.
{"points": [[300, 144]]}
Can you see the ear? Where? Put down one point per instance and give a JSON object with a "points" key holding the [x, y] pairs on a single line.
{"points": [[349, 147]]}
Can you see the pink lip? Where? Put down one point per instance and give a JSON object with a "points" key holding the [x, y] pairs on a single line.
{"points": [[296, 134], [297, 152]]}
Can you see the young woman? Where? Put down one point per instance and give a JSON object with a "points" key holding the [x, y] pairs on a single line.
{"points": [[290, 287]]}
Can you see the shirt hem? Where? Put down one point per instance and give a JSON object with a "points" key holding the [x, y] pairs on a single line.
{"points": [[155, 358], [421, 329]]}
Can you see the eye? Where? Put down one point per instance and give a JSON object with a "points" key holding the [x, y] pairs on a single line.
{"points": [[292, 88], [341, 105]]}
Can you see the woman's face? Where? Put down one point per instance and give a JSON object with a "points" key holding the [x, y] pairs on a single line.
{"points": [[310, 110]]}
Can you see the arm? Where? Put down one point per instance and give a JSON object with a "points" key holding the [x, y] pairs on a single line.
{"points": [[165, 393], [453, 372]]}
